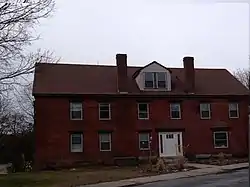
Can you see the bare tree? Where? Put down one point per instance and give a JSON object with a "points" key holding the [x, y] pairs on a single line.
{"points": [[18, 19], [25, 102], [243, 76]]}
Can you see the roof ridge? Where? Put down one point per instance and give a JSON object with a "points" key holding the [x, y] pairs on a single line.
{"points": [[129, 66]]}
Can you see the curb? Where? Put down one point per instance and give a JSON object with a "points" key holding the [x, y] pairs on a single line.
{"points": [[215, 173], [232, 170]]}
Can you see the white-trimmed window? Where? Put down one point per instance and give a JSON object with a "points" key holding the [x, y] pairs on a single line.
{"points": [[76, 111], [76, 142], [104, 111], [175, 111], [105, 141], [221, 139], [155, 80], [143, 111], [233, 110], [144, 141], [205, 111]]}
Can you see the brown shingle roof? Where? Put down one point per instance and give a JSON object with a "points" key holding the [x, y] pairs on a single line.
{"points": [[100, 79]]}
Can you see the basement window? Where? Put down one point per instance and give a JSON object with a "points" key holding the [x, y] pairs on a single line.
{"points": [[76, 111], [221, 139]]}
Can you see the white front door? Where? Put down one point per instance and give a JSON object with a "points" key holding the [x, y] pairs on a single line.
{"points": [[170, 144]]}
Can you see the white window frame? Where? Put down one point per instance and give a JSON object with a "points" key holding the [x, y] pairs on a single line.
{"points": [[71, 149], [155, 82], [226, 136], [209, 109], [100, 142], [144, 149], [237, 104], [171, 110], [109, 105], [71, 110], [138, 113]]}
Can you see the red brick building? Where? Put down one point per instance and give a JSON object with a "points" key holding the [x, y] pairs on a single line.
{"points": [[96, 113]]}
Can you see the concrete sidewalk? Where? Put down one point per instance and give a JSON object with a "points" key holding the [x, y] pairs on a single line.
{"points": [[203, 170]]}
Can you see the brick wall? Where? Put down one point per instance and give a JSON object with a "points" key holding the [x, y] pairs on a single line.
{"points": [[53, 127]]}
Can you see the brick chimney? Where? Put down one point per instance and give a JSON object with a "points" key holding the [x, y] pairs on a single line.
{"points": [[188, 63], [121, 63]]}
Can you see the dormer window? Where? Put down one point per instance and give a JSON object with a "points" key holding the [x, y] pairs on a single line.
{"points": [[155, 80]]}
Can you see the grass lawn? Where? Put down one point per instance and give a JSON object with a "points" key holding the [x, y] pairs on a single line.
{"points": [[68, 178]]}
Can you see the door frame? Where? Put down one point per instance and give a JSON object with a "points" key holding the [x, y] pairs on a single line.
{"points": [[161, 141]]}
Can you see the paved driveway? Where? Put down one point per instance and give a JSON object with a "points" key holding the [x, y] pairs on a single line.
{"points": [[234, 179]]}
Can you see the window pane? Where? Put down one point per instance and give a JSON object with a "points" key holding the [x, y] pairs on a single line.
{"points": [[76, 106], [233, 113], [233, 106], [205, 114], [169, 136], [149, 84], [175, 114], [104, 107], [76, 139], [161, 84], [76, 114], [144, 144], [104, 115], [220, 136], [149, 80], [205, 106], [76, 147], [175, 107], [149, 76], [144, 137], [161, 76], [220, 143], [104, 137], [143, 107], [143, 115], [105, 146]]}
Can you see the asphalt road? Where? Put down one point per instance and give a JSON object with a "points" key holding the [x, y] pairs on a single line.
{"points": [[234, 179]]}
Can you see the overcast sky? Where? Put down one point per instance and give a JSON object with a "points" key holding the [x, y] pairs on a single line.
{"points": [[84, 31]]}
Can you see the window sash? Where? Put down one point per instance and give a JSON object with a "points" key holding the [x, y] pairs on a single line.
{"points": [[149, 80], [161, 81], [233, 106], [76, 111], [220, 142], [104, 111], [76, 142], [233, 110], [143, 114], [175, 111], [205, 111], [105, 142], [175, 107]]}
